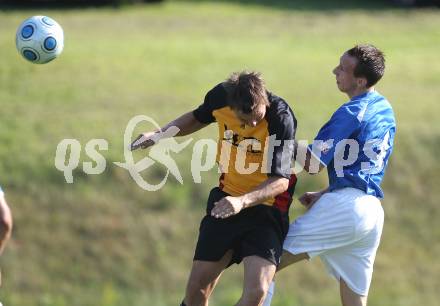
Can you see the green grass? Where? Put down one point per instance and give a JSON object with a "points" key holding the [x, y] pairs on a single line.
{"points": [[104, 241]]}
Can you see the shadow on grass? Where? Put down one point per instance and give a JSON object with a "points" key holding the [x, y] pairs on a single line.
{"points": [[329, 5], [314, 5], [299, 5], [13, 5]]}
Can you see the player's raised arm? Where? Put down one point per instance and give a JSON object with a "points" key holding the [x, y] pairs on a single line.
{"points": [[186, 124]]}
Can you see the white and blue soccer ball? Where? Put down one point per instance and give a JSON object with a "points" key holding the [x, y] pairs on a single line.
{"points": [[39, 39]]}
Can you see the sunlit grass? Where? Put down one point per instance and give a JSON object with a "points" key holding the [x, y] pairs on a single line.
{"points": [[104, 241]]}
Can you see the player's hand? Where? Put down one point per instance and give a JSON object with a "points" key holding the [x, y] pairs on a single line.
{"points": [[143, 141], [226, 207], [310, 198]]}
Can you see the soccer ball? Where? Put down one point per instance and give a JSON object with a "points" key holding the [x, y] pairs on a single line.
{"points": [[39, 39]]}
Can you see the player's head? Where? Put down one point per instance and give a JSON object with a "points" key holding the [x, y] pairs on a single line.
{"points": [[359, 68], [248, 96]]}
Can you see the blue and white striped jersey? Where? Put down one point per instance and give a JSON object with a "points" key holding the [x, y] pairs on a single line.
{"points": [[356, 143]]}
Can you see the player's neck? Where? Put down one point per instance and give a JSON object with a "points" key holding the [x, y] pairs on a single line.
{"points": [[359, 91]]}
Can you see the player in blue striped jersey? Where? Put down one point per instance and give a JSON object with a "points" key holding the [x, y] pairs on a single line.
{"points": [[343, 223]]}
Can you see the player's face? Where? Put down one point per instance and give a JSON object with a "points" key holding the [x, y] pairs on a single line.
{"points": [[344, 73], [253, 118]]}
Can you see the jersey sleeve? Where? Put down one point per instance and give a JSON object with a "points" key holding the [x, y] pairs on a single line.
{"points": [[203, 113], [283, 127], [344, 122]]}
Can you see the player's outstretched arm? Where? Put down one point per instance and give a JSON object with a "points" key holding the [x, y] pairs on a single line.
{"points": [[186, 124], [5, 223]]}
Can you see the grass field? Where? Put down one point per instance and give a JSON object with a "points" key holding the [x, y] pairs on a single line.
{"points": [[104, 241]]}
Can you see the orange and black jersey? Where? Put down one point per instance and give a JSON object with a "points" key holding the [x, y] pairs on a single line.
{"points": [[246, 155]]}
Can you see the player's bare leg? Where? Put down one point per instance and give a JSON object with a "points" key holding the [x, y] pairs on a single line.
{"points": [[258, 274], [203, 278], [350, 298], [288, 259]]}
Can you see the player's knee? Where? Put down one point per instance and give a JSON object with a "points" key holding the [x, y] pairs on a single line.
{"points": [[5, 223], [255, 295], [196, 293], [5, 226]]}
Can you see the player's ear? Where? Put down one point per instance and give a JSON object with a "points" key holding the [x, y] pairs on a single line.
{"points": [[362, 82]]}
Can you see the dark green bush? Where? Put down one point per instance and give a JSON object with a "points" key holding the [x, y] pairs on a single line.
{"points": [[57, 3]]}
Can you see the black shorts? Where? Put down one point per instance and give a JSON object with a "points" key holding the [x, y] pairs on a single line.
{"points": [[259, 230]]}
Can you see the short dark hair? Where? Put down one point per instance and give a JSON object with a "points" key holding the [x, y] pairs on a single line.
{"points": [[370, 63], [246, 91]]}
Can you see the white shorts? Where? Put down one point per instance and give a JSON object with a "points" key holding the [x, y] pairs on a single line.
{"points": [[343, 228]]}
